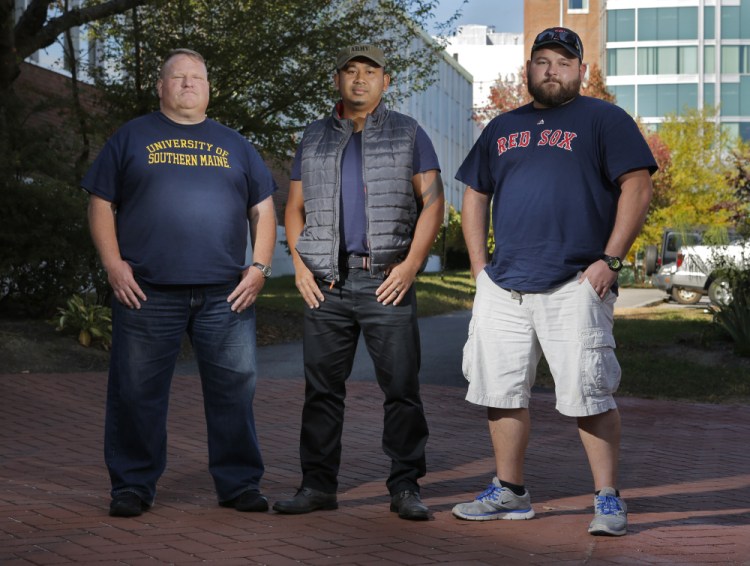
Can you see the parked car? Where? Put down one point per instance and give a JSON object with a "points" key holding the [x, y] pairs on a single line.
{"points": [[696, 273], [672, 240], [698, 269], [664, 279]]}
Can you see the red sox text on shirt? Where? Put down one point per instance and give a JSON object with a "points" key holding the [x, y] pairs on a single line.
{"points": [[553, 138]]}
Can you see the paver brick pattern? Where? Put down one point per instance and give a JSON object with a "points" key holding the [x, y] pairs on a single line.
{"points": [[685, 476]]}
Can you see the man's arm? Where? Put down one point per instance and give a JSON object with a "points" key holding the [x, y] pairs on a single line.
{"points": [[474, 224], [262, 219], [632, 207], [101, 215], [294, 222], [428, 189]]}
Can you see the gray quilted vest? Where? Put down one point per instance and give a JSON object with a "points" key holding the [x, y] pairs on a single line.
{"points": [[387, 158]]}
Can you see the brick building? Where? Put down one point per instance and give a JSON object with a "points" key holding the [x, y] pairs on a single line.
{"points": [[585, 17]]}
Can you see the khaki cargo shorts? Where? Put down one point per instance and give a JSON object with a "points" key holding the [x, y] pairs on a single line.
{"points": [[571, 325]]}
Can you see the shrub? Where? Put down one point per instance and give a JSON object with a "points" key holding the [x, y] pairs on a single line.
{"points": [[450, 244], [47, 251], [733, 315], [92, 322]]}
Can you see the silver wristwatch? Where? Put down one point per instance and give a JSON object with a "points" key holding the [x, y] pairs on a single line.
{"points": [[264, 269]]}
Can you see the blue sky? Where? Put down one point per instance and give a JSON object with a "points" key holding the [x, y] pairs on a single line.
{"points": [[505, 15]]}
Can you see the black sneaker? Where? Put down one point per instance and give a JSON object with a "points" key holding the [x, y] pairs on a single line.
{"points": [[409, 506], [250, 501], [127, 504], [305, 501]]}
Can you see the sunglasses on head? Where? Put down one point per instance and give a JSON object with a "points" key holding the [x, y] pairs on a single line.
{"points": [[565, 36]]}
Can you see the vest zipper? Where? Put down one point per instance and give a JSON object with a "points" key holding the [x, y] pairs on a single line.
{"points": [[336, 207]]}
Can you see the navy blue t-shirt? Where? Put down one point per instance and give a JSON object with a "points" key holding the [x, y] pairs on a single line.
{"points": [[182, 194], [353, 220], [553, 176]]}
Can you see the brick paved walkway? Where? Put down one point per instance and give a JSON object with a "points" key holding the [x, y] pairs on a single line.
{"points": [[686, 478]]}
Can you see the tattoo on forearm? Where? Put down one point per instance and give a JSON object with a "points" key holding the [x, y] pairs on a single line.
{"points": [[433, 192]]}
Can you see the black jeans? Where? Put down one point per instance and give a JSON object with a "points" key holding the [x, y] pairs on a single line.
{"points": [[391, 333]]}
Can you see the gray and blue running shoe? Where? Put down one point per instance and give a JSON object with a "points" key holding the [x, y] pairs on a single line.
{"points": [[610, 514], [496, 502]]}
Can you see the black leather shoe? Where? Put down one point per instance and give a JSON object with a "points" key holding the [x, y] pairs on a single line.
{"points": [[250, 501], [409, 506], [127, 504], [305, 501]]}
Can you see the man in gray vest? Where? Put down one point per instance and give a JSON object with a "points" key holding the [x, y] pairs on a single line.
{"points": [[365, 204]]}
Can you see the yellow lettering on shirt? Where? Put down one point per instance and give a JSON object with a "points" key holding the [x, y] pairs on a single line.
{"points": [[197, 154]]}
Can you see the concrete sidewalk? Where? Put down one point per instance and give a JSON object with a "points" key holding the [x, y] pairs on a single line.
{"points": [[685, 476]]}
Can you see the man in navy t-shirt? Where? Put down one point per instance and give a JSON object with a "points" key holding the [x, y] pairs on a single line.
{"points": [[569, 179], [172, 196], [365, 204]]}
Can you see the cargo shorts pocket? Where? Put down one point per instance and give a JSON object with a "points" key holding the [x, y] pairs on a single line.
{"points": [[599, 366]]}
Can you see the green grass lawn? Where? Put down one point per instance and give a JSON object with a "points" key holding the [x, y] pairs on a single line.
{"points": [[436, 293], [664, 353], [670, 353]]}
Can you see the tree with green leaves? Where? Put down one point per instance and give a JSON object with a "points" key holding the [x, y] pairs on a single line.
{"points": [[699, 171], [739, 178], [270, 62], [41, 24]]}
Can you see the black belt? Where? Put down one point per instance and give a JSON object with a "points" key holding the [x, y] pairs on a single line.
{"points": [[356, 261]]}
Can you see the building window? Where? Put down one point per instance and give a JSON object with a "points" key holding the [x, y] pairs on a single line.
{"points": [[621, 25], [624, 97], [709, 60], [663, 99], [621, 62], [735, 22], [709, 95], [730, 22], [709, 22], [667, 60], [735, 98], [730, 129], [735, 59], [667, 23], [578, 6], [737, 129]]}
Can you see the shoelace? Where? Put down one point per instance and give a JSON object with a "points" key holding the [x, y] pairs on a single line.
{"points": [[490, 493], [608, 505]]}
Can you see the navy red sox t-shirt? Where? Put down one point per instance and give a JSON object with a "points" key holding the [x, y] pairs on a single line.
{"points": [[553, 177]]}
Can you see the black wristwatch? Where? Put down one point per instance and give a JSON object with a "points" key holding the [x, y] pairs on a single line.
{"points": [[613, 262], [264, 269]]}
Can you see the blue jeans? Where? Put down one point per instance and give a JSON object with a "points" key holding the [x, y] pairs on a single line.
{"points": [[145, 346], [391, 334]]}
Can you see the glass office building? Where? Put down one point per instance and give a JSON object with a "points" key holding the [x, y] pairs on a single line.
{"points": [[666, 55]]}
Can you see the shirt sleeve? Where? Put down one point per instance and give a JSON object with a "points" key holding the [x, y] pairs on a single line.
{"points": [[262, 184], [104, 176], [475, 170], [625, 148], [425, 158]]}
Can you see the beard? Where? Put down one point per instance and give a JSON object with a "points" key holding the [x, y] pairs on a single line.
{"points": [[552, 93]]}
